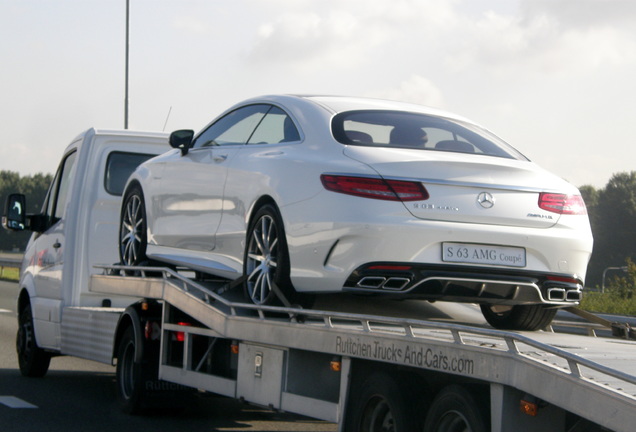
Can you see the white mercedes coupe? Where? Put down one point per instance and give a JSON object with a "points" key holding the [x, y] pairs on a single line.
{"points": [[321, 194]]}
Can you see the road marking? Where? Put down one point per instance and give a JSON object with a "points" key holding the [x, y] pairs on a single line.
{"points": [[14, 402], [5, 311]]}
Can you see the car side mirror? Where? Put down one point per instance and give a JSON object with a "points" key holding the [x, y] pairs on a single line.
{"points": [[14, 218], [182, 139]]}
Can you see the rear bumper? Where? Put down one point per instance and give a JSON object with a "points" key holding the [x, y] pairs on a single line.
{"points": [[465, 284]]}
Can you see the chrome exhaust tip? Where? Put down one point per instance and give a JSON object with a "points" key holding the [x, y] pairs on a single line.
{"points": [[556, 294]]}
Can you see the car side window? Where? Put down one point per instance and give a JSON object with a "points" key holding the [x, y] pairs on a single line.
{"points": [[276, 127], [234, 128], [58, 196]]}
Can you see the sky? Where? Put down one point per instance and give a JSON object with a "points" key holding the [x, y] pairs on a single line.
{"points": [[554, 78]]}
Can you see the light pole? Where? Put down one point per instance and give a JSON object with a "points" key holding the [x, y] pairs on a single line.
{"points": [[624, 268], [126, 80]]}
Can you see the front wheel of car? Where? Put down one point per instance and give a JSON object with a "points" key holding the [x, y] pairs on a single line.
{"points": [[519, 317], [266, 260]]}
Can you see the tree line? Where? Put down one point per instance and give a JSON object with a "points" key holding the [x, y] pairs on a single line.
{"points": [[612, 212]]}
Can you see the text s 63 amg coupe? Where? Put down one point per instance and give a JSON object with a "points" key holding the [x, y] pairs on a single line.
{"points": [[328, 194]]}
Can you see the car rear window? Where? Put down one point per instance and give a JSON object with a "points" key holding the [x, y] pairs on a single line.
{"points": [[119, 166], [400, 129]]}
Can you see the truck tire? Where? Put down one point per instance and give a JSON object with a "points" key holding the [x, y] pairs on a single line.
{"points": [[382, 405], [33, 360], [139, 389], [133, 225], [520, 317], [129, 375], [454, 409]]}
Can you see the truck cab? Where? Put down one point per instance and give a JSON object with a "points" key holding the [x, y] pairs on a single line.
{"points": [[77, 226]]}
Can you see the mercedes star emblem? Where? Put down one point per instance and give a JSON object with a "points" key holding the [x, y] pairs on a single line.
{"points": [[486, 200]]}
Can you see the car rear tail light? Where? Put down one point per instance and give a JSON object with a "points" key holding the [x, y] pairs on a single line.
{"points": [[376, 188], [562, 203], [566, 279]]}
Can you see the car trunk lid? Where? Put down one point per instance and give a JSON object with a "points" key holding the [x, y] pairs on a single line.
{"points": [[468, 188]]}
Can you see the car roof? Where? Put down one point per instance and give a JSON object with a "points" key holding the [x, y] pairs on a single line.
{"points": [[344, 103], [337, 104]]}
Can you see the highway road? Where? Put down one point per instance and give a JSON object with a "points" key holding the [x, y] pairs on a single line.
{"points": [[79, 395]]}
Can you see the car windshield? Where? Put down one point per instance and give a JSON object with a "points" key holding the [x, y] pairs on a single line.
{"points": [[400, 129]]}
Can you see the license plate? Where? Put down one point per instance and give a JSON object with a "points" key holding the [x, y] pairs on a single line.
{"points": [[484, 254]]}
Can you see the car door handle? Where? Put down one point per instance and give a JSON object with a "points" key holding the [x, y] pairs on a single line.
{"points": [[219, 158]]}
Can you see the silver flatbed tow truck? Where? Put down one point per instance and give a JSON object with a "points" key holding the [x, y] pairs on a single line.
{"points": [[358, 370]]}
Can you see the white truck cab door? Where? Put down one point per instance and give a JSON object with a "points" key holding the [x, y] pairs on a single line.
{"points": [[48, 256]]}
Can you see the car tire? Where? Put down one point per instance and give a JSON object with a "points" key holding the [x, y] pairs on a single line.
{"points": [[519, 317], [133, 226], [33, 360], [266, 259]]}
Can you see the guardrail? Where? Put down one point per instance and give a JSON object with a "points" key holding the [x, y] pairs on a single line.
{"points": [[9, 263]]}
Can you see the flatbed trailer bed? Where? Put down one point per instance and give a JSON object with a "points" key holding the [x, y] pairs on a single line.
{"points": [[280, 349]]}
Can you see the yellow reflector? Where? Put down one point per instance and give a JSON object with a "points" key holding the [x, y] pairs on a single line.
{"points": [[529, 408]]}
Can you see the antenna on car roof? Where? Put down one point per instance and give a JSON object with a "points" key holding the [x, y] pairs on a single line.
{"points": [[166, 122]]}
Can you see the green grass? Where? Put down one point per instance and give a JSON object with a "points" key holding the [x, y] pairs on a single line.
{"points": [[609, 302], [10, 274]]}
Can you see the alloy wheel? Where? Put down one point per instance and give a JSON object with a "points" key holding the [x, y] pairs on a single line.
{"points": [[132, 226], [262, 259]]}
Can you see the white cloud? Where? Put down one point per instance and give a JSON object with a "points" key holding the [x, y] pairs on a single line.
{"points": [[546, 41], [353, 33], [553, 77], [416, 89], [307, 40], [192, 25]]}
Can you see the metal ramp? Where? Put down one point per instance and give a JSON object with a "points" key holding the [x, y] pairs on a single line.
{"points": [[591, 377]]}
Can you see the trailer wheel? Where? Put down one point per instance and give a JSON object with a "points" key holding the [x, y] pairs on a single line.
{"points": [[267, 258], [132, 229], [382, 405], [33, 360], [455, 410], [519, 317]]}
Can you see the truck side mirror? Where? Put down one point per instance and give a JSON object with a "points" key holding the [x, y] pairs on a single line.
{"points": [[14, 218], [182, 139]]}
